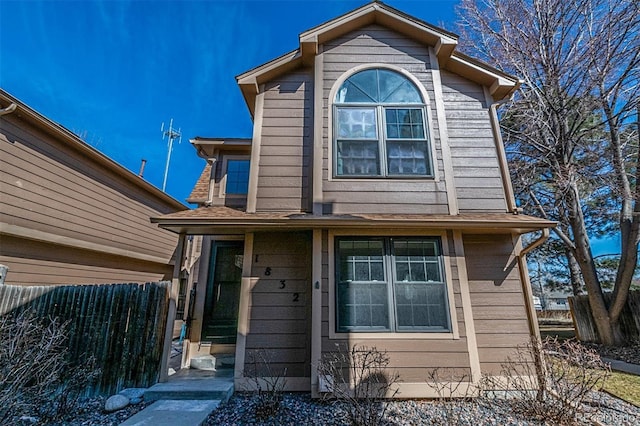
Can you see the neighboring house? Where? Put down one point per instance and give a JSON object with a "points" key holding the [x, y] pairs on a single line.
{"points": [[71, 215], [372, 206], [556, 301], [537, 304]]}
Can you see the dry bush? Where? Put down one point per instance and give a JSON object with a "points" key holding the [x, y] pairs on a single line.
{"points": [[447, 382], [267, 381], [551, 387], [359, 377], [36, 376]]}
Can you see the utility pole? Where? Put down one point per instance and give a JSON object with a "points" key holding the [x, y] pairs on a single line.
{"points": [[171, 134]]}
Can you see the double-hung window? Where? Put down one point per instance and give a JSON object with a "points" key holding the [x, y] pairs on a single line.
{"points": [[380, 127], [390, 284]]}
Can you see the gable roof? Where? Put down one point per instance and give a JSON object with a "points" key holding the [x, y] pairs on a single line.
{"points": [[24, 112], [501, 85]]}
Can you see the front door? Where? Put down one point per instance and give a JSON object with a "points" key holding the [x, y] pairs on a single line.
{"points": [[220, 319]]}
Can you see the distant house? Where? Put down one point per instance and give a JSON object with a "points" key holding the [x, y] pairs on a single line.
{"points": [[71, 215], [556, 301], [372, 206]]}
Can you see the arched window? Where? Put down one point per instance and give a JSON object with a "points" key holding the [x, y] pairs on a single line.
{"points": [[380, 127]]}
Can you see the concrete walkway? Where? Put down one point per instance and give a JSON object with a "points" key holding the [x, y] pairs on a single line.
{"points": [[622, 366], [186, 399], [172, 412]]}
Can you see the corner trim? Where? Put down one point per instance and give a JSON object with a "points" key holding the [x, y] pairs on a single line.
{"points": [[254, 168], [318, 140], [243, 308], [510, 198], [452, 193], [316, 309], [469, 321]]}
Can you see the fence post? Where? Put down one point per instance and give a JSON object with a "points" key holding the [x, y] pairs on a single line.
{"points": [[171, 312], [3, 273]]}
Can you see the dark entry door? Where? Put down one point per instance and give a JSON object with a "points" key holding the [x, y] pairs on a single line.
{"points": [[223, 293]]}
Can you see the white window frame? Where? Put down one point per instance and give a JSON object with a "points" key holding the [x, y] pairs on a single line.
{"points": [[381, 122], [452, 334]]}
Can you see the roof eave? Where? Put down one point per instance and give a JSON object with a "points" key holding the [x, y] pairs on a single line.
{"points": [[209, 148], [501, 85], [251, 80], [208, 226], [27, 113]]}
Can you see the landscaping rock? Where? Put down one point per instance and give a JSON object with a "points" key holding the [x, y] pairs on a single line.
{"points": [[115, 403], [135, 395]]}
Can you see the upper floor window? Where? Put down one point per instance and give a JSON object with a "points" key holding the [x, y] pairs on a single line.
{"points": [[237, 177], [380, 127]]}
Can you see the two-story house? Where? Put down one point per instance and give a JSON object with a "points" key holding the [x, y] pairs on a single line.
{"points": [[372, 206]]}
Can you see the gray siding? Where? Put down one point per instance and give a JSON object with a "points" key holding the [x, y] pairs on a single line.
{"points": [[286, 144], [473, 150], [497, 299], [280, 317], [375, 44], [47, 186]]}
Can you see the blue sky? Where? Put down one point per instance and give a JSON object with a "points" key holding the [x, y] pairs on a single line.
{"points": [[113, 71]]}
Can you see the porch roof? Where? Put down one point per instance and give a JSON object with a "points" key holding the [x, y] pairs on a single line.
{"points": [[225, 220]]}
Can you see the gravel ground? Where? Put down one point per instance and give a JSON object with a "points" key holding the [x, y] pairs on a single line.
{"points": [[89, 413], [300, 409]]}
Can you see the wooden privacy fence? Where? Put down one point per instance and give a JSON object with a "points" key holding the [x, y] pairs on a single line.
{"points": [[586, 330], [121, 325]]}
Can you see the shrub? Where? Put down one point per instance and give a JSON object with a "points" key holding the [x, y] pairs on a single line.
{"points": [[548, 381], [359, 376], [447, 382], [36, 376], [267, 381]]}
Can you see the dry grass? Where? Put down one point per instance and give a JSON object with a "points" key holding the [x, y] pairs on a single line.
{"points": [[624, 386]]}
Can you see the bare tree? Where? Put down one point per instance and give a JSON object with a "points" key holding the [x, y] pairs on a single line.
{"points": [[570, 131]]}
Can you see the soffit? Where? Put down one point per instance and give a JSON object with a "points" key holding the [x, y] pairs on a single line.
{"points": [[209, 148]]}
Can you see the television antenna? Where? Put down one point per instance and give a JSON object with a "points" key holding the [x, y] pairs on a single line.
{"points": [[171, 134]]}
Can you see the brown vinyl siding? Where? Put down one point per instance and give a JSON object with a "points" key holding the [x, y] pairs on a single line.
{"points": [[473, 150], [286, 144], [497, 299], [412, 358], [280, 317], [51, 189], [375, 44]]}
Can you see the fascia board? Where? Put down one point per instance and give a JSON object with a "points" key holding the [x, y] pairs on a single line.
{"points": [[380, 13], [208, 148], [195, 226], [257, 74], [500, 84], [250, 81]]}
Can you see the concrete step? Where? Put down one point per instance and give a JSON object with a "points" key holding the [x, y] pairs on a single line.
{"points": [[192, 387], [212, 362], [173, 412]]}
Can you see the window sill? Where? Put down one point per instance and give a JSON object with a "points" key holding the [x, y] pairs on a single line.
{"points": [[388, 177], [397, 336]]}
